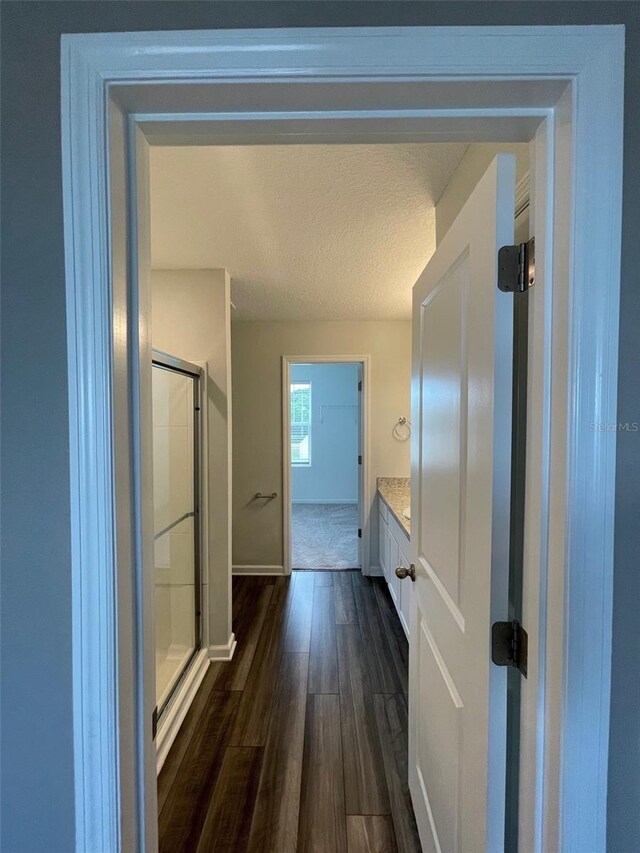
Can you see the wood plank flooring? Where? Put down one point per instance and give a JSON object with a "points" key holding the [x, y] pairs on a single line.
{"points": [[299, 744]]}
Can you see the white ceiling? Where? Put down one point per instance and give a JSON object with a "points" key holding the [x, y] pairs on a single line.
{"points": [[324, 232]]}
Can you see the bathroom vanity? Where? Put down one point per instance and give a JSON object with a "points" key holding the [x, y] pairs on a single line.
{"points": [[394, 531]]}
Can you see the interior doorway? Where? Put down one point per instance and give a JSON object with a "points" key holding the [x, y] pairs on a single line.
{"points": [[325, 459], [446, 66], [326, 462]]}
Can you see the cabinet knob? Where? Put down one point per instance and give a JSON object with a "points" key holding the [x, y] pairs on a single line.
{"points": [[402, 572]]}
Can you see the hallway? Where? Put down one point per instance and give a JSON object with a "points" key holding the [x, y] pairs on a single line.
{"points": [[300, 742]]}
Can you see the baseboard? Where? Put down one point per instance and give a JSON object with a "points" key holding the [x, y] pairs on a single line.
{"points": [[177, 711], [224, 651], [327, 501], [258, 570], [373, 572]]}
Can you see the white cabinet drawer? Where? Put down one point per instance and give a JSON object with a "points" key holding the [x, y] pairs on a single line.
{"points": [[399, 533], [383, 509]]}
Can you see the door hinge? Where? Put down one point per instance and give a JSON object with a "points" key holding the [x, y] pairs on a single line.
{"points": [[154, 723], [359, 459], [360, 385], [509, 645], [517, 267], [359, 533]]}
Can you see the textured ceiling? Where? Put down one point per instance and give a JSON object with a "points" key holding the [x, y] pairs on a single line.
{"points": [[326, 232]]}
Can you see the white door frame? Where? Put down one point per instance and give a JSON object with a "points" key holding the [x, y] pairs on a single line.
{"points": [[365, 487], [120, 90]]}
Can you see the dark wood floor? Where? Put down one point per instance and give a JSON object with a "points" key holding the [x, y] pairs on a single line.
{"points": [[300, 742]]}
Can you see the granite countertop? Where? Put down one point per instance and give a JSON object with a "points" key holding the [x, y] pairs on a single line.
{"points": [[396, 493]]}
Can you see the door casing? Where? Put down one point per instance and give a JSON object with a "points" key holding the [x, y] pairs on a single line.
{"points": [[122, 91]]}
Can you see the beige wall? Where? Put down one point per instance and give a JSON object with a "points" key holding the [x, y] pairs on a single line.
{"points": [[472, 167], [257, 350], [191, 319]]}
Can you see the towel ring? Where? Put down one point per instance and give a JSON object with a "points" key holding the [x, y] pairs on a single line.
{"points": [[402, 429]]}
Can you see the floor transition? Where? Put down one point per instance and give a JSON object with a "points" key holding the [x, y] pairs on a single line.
{"points": [[324, 536], [300, 742]]}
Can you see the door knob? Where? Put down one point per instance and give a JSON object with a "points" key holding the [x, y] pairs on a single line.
{"points": [[402, 572]]}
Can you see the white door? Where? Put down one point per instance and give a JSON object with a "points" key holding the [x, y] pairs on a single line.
{"points": [[461, 412]]}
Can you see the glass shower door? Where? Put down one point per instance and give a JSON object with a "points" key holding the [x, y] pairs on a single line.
{"points": [[176, 535]]}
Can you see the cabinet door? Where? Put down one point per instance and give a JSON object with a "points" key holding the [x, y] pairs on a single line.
{"points": [[405, 590], [383, 545], [392, 581]]}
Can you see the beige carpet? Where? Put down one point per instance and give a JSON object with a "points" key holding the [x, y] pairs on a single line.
{"points": [[324, 536]]}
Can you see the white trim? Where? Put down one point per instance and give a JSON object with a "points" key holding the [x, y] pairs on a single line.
{"points": [[177, 710], [225, 651], [259, 570], [469, 74], [365, 498], [286, 466]]}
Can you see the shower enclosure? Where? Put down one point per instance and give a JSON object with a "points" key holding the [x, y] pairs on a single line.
{"points": [[176, 492]]}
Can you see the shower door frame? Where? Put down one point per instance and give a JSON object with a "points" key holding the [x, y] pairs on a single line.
{"points": [[175, 364]]}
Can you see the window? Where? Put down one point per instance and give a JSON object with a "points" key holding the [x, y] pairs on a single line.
{"points": [[301, 423]]}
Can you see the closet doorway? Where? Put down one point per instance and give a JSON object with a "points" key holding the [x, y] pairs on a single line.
{"points": [[325, 459]]}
